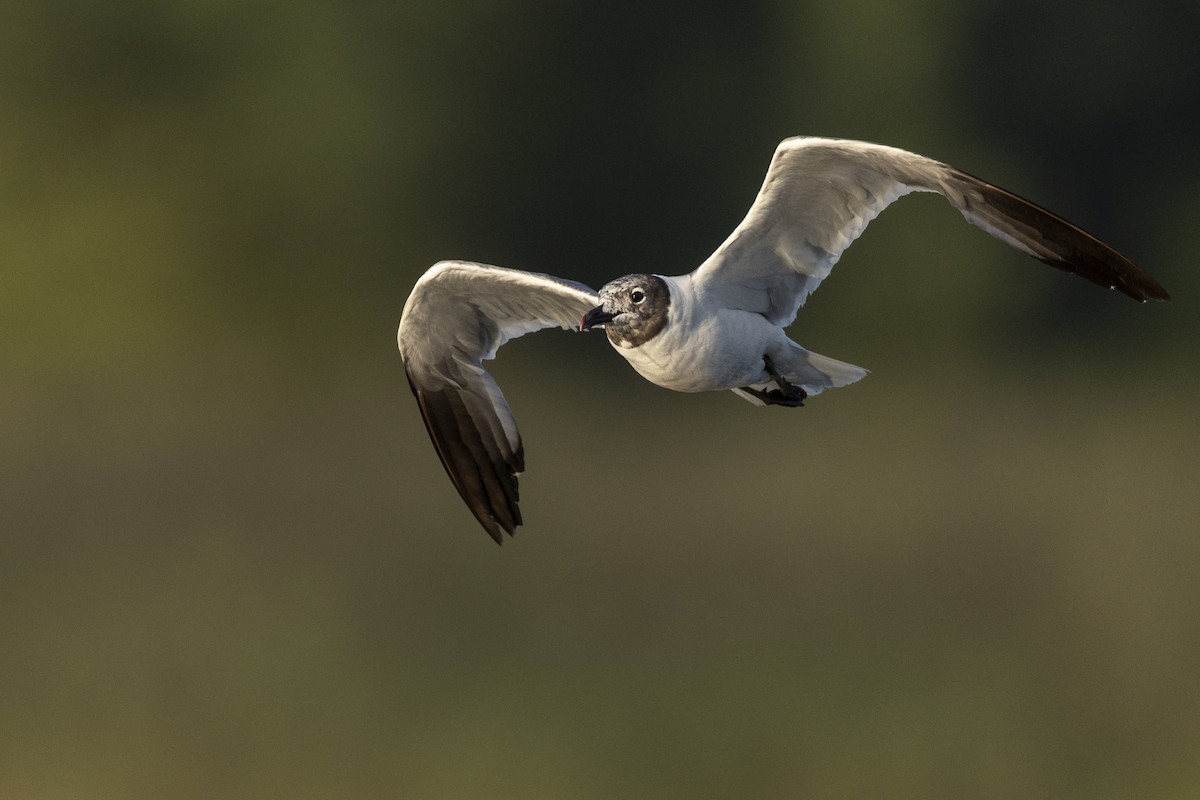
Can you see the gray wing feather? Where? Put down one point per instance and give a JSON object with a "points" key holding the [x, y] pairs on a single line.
{"points": [[457, 316], [820, 194]]}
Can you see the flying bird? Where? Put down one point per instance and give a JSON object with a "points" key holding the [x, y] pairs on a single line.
{"points": [[720, 327]]}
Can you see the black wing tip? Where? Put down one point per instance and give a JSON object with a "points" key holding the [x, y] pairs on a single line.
{"points": [[1134, 282], [487, 483], [496, 530], [1159, 296], [1072, 249], [1110, 269], [1157, 293], [493, 519]]}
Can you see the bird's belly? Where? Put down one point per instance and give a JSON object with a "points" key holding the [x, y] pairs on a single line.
{"points": [[724, 352]]}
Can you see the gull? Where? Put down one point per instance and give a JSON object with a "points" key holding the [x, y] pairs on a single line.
{"points": [[720, 327]]}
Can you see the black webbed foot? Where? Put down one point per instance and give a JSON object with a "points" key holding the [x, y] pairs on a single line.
{"points": [[794, 394], [787, 394], [775, 397]]}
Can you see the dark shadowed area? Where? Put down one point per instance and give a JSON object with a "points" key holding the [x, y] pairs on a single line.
{"points": [[231, 565]]}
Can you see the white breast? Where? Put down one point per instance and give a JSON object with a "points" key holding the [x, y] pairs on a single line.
{"points": [[704, 348]]}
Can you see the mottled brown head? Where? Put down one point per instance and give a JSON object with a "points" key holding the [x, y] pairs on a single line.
{"points": [[633, 310]]}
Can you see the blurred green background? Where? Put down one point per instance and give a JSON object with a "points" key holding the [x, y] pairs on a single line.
{"points": [[231, 565]]}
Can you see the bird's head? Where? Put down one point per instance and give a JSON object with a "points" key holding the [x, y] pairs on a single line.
{"points": [[632, 309]]}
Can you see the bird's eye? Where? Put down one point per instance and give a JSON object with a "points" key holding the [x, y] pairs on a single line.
{"points": [[637, 295]]}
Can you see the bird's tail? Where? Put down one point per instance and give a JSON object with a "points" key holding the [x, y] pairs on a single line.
{"points": [[812, 372]]}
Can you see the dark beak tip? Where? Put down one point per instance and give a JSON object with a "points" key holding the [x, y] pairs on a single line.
{"points": [[597, 316]]}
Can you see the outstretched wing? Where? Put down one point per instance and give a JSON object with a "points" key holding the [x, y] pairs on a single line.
{"points": [[458, 315], [820, 194]]}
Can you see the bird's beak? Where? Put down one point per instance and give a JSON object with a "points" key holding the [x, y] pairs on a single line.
{"points": [[597, 316]]}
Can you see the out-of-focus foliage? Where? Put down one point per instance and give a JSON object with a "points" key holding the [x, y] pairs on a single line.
{"points": [[230, 565]]}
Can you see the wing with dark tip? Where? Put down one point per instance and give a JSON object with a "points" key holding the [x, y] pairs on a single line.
{"points": [[820, 194], [457, 316]]}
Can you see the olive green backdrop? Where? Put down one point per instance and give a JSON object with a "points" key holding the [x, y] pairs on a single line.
{"points": [[231, 565]]}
